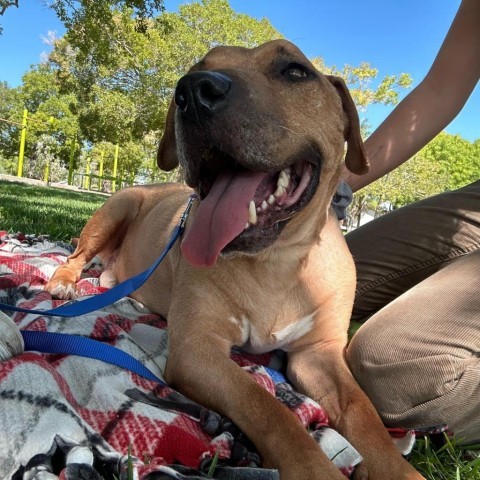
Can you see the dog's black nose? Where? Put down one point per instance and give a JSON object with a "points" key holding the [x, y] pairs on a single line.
{"points": [[202, 93]]}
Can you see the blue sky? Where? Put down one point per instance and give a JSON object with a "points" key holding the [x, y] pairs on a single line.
{"points": [[395, 37]]}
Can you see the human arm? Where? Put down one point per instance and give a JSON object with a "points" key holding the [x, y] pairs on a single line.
{"points": [[433, 104]]}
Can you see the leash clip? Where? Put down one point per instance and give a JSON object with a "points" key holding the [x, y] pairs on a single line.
{"points": [[183, 218]]}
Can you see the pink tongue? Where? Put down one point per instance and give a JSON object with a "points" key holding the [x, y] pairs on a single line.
{"points": [[220, 217]]}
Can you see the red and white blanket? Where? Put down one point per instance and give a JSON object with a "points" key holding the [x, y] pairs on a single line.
{"points": [[69, 417]]}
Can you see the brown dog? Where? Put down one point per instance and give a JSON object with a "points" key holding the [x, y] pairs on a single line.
{"points": [[260, 136]]}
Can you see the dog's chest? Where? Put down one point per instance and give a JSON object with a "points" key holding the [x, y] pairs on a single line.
{"points": [[262, 337]]}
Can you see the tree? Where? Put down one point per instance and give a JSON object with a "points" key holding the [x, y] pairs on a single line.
{"points": [[51, 113], [11, 108], [94, 16], [456, 159], [448, 162]]}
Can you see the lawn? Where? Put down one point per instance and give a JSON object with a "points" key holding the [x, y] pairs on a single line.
{"points": [[62, 215], [45, 210]]}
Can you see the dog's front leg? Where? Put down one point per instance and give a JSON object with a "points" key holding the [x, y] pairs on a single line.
{"points": [[199, 366], [321, 372], [103, 233]]}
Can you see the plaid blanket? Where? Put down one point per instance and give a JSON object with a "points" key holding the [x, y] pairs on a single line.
{"points": [[69, 417]]}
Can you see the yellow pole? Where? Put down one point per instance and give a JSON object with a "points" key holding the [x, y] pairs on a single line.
{"points": [[46, 174], [100, 168], [115, 168], [23, 136], [100, 171]]}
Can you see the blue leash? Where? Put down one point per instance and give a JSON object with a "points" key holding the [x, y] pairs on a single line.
{"points": [[67, 344], [61, 343]]}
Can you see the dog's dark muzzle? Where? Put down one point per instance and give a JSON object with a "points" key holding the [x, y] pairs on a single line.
{"points": [[201, 94]]}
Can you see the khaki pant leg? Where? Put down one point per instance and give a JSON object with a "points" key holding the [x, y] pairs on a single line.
{"points": [[418, 359], [418, 355], [398, 250]]}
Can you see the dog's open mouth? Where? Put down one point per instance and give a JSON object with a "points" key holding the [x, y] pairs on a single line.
{"points": [[243, 210], [276, 193]]}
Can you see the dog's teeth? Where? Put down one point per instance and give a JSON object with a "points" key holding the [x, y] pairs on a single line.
{"points": [[264, 206], [252, 213], [283, 179], [271, 200], [247, 225], [279, 191]]}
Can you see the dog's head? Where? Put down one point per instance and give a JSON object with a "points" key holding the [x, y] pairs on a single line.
{"points": [[259, 133]]}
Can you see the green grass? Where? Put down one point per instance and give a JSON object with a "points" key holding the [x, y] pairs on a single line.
{"points": [[448, 462], [62, 214], [45, 210], [213, 466]]}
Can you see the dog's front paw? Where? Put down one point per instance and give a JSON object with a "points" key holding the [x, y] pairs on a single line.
{"points": [[62, 285], [61, 291]]}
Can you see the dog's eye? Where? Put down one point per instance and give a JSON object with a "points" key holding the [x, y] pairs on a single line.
{"points": [[295, 71]]}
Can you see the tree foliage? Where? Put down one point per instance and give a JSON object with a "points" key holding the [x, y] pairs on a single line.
{"points": [[94, 17], [457, 160], [448, 162], [50, 113], [11, 112]]}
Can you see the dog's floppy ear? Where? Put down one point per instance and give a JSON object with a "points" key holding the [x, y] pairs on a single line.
{"points": [[167, 150], [356, 158]]}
